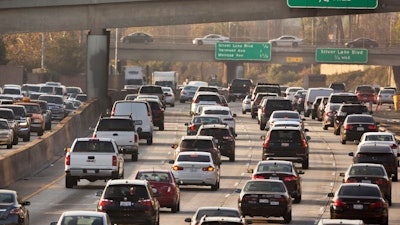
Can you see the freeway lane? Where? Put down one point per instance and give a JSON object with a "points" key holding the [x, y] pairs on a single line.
{"points": [[327, 158]]}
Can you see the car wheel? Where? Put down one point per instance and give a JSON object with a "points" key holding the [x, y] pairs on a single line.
{"points": [[287, 218], [40, 133], [313, 116], [9, 146], [172, 105], [175, 208], [336, 131], [325, 127], [27, 137], [134, 157], [150, 141], [262, 126], [47, 126], [297, 199], [243, 111], [15, 140], [232, 158], [395, 177], [305, 164], [215, 186], [161, 127], [343, 141], [69, 181], [389, 199]]}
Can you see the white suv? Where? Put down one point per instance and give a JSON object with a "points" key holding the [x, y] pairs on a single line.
{"points": [[204, 98], [222, 112]]}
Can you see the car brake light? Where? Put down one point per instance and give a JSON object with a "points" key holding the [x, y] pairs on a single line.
{"points": [[348, 127], [210, 168], [258, 177], [136, 138], [195, 101], [266, 142], [372, 127], [114, 160], [376, 205], [67, 160], [145, 202], [94, 135], [103, 203], [290, 178], [393, 146], [177, 168], [193, 127], [14, 211], [351, 181], [113, 112], [339, 203], [304, 143], [381, 181]]}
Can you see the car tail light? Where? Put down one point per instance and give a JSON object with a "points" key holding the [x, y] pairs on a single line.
{"points": [[381, 181], [372, 127], [290, 178], [229, 138], [14, 211], [247, 198], [94, 135], [266, 142], [177, 168], [393, 146], [351, 181], [376, 205], [282, 199], [68, 160], [114, 160], [348, 127], [113, 112], [148, 110], [339, 203], [210, 168], [183, 93], [192, 127], [304, 143], [328, 113], [258, 177], [195, 101], [145, 202], [103, 203], [136, 138]]}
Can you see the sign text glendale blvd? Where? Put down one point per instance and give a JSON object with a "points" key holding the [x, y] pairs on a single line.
{"points": [[341, 55], [243, 51], [342, 4]]}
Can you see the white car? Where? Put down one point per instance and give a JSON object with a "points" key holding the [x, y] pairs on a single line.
{"points": [[83, 217], [291, 91], [6, 134], [222, 112], [204, 98], [246, 104], [169, 96], [380, 138], [210, 39], [196, 168], [284, 115], [286, 41]]}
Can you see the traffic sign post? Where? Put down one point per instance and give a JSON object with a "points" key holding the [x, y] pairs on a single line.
{"points": [[341, 55], [341, 4], [243, 51]]}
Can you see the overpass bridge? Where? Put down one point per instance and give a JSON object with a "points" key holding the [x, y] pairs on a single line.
{"points": [[19, 16]]}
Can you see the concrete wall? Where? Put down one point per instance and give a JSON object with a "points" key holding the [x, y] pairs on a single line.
{"points": [[40, 153]]}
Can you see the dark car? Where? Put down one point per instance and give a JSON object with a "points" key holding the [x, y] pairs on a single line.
{"points": [[153, 90], [328, 117], [270, 105], [193, 126], [267, 198], [280, 170], [345, 110], [338, 87], [286, 143], [8, 114], [199, 143], [213, 211], [129, 202], [137, 37], [257, 100], [266, 87], [359, 201], [362, 43], [370, 173], [380, 154], [349, 98], [223, 137], [187, 93], [12, 208], [239, 88], [355, 125], [168, 192], [157, 113], [365, 93]]}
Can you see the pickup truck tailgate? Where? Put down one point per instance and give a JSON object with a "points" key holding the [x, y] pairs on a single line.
{"points": [[87, 160]]}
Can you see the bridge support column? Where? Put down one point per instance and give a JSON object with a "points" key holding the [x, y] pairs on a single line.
{"points": [[396, 76], [97, 64], [234, 70]]}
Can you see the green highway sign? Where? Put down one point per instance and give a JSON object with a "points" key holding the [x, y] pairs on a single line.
{"points": [[341, 55], [243, 51], [341, 4]]}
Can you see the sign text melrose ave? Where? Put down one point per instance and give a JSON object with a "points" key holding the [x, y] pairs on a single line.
{"points": [[243, 51]]}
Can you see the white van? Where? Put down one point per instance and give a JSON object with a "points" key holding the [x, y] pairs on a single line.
{"points": [[311, 95], [140, 112]]}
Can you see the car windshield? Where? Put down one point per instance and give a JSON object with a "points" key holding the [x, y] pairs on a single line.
{"points": [[115, 125], [6, 198], [344, 99], [151, 89], [365, 89], [215, 132], [359, 191]]}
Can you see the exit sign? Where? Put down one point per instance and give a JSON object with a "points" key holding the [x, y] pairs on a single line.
{"points": [[243, 51], [341, 4], [341, 55]]}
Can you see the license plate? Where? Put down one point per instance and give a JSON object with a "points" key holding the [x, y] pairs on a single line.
{"points": [[366, 181], [358, 206], [125, 203], [216, 141], [90, 171], [285, 144], [274, 178], [193, 169], [263, 200], [274, 203], [138, 122], [360, 128]]}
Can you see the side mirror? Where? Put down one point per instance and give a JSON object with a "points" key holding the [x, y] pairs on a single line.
{"points": [[351, 154], [238, 190], [250, 171], [300, 172], [99, 193], [171, 161], [330, 195], [341, 174], [262, 137], [308, 138], [66, 150], [234, 115], [306, 130], [174, 146]]}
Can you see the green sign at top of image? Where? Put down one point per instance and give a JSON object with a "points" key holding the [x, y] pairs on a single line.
{"points": [[341, 4]]}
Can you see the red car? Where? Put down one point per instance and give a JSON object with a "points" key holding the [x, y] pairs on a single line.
{"points": [[365, 93], [168, 192]]}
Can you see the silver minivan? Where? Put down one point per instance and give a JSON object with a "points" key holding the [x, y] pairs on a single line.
{"points": [[138, 111]]}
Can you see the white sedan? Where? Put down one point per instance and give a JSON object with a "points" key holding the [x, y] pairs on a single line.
{"points": [[380, 138], [169, 96], [83, 217], [210, 39], [286, 41]]}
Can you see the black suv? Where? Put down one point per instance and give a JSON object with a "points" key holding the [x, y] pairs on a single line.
{"points": [[223, 137], [270, 105], [379, 154], [344, 111], [286, 143], [239, 88], [129, 202]]}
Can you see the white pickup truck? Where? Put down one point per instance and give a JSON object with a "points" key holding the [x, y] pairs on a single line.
{"points": [[93, 159], [122, 130]]}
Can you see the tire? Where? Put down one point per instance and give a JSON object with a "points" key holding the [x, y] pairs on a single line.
{"points": [[297, 199], [287, 218], [9, 146], [336, 131], [262, 126], [215, 187], [150, 141], [389, 199], [161, 127], [232, 158], [47, 126], [325, 127], [305, 164], [134, 157], [175, 208], [312, 116], [40, 133], [395, 177], [15, 140], [243, 111], [69, 181], [27, 137], [343, 141]]}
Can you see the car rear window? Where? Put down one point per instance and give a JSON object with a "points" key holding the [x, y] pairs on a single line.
{"points": [[366, 170], [379, 137], [286, 115], [381, 158], [93, 146], [116, 125], [285, 136], [196, 144], [208, 98], [5, 114], [354, 109], [194, 158], [216, 112], [241, 83], [154, 176], [365, 89], [215, 132], [6, 198], [151, 89], [274, 167], [206, 120], [278, 105], [217, 212], [359, 191], [361, 119], [128, 192], [265, 187], [344, 99]]}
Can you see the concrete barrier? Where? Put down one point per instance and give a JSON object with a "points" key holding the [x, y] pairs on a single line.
{"points": [[40, 153]]}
